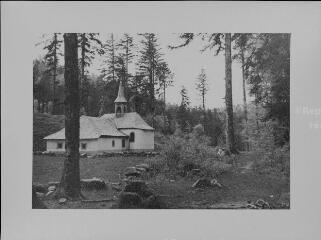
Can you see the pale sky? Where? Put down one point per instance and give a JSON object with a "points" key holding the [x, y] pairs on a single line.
{"points": [[186, 63]]}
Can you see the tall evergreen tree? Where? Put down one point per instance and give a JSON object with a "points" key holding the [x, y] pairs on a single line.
{"points": [[230, 141], [126, 48], [202, 86], [51, 59], [89, 46], [108, 69], [183, 111], [148, 62]]}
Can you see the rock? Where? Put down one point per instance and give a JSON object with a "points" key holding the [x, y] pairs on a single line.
{"points": [[132, 171], [62, 200], [56, 184], [260, 203], [130, 200], [215, 183], [154, 202], [49, 193], [40, 195], [202, 183], [51, 188], [39, 188], [94, 183], [138, 187], [83, 155], [143, 165]]}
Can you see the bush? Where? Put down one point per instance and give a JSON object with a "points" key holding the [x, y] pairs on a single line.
{"points": [[276, 160], [181, 152]]}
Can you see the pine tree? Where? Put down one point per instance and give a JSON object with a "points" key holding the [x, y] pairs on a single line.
{"points": [[165, 79], [51, 59], [108, 69], [126, 48], [148, 62], [89, 46], [202, 86], [183, 110]]}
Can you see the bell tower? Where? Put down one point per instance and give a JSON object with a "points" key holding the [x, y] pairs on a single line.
{"points": [[120, 102]]}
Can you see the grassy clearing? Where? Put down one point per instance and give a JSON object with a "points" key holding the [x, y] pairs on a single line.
{"points": [[241, 184]]}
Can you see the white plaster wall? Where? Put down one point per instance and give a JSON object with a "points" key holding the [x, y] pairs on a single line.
{"points": [[105, 144], [144, 140], [91, 145]]}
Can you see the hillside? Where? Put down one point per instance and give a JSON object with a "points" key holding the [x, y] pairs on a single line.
{"points": [[43, 125]]}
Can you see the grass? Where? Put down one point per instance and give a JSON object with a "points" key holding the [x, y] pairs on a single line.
{"points": [[239, 185]]}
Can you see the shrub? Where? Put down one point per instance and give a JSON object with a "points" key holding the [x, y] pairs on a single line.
{"points": [[181, 152], [275, 161]]}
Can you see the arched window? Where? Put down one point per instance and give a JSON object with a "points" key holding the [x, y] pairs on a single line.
{"points": [[132, 137], [113, 143], [118, 110]]}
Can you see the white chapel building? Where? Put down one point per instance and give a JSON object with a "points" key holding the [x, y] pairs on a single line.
{"points": [[119, 131]]}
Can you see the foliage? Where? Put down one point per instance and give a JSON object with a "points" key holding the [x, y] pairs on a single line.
{"points": [[182, 152], [268, 74], [202, 85]]}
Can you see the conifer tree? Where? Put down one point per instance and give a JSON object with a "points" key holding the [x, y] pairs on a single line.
{"points": [[89, 46], [53, 49]]}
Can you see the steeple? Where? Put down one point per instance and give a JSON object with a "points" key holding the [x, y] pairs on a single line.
{"points": [[120, 102]]}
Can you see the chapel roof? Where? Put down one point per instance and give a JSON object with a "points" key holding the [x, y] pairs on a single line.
{"points": [[128, 120], [92, 128]]}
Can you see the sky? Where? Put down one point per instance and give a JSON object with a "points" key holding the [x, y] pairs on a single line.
{"points": [[186, 63]]}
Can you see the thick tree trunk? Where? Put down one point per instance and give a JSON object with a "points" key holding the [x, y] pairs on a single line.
{"points": [[230, 144], [70, 181]]}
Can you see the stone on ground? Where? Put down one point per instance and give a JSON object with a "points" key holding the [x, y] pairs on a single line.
{"points": [[94, 183], [130, 200], [139, 187], [132, 172], [143, 165]]}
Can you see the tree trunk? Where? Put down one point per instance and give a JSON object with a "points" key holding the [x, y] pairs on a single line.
{"points": [[82, 71], [54, 76], [113, 55], [244, 98], [164, 117], [230, 143], [70, 181], [244, 85]]}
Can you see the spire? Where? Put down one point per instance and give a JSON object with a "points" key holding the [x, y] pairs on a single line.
{"points": [[121, 94], [120, 102]]}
